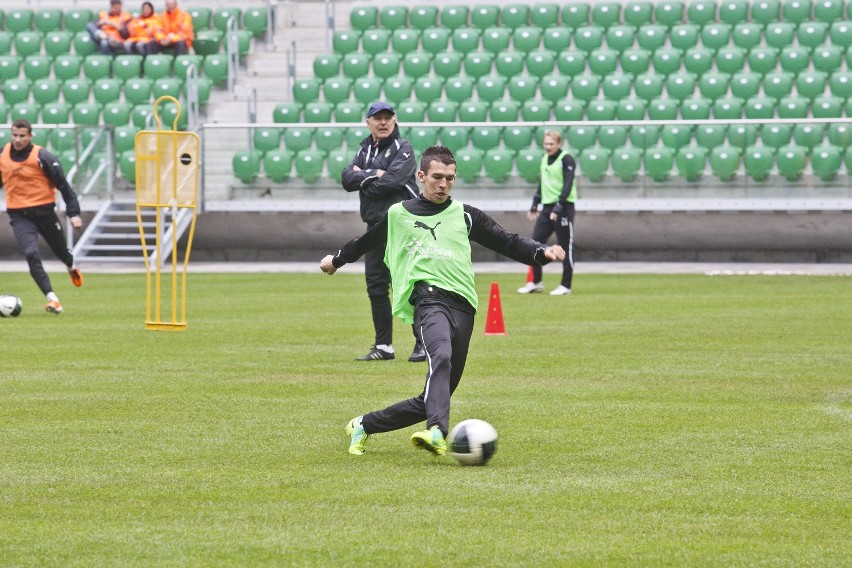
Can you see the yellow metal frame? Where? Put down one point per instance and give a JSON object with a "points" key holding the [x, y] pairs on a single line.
{"points": [[166, 152]]}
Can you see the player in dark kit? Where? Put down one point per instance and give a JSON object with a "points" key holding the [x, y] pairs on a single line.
{"points": [[426, 244]]}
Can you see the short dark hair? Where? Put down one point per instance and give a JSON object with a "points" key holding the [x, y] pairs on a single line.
{"points": [[23, 123], [436, 153]]}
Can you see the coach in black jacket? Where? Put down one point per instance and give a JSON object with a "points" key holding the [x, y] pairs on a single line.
{"points": [[383, 173]]}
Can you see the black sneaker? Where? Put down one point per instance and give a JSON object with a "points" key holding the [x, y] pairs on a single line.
{"points": [[418, 355], [377, 354]]}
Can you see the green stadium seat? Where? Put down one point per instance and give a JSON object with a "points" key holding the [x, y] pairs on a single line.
{"points": [[825, 162], [364, 18], [730, 59], [827, 58], [499, 163], [356, 65], [446, 64], [669, 12], [617, 86], [582, 137], [778, 84], [337, 89], [529, 164], [716, 35], [724, 161], [266, 139], [796, 11], [701, 12], [19, 20], [504, 111], [713, 85], [808, 135], [348, 113], [742, 136], [246, 165], [127, 165], [812, 34], [779, 34], [455, 138], [620, 38], [652, 37], [691, 161], [666, 60], [571, 62], [386, 65], [762, 59], [126, 67], [309, 164], [811, 84], [165, 87], [509, 63], [76, 19], [138, 91], [6, 40], [442, 111], [117, 113], [157, 66], [298, 139], [465, 39], [496, 40], [658, 163], [758, 162], [405, 40], [429, 89], [48, 19], [58, 43], [540, 63], [745, 85], [375, 41], [411, 111], [766, 12], [841, 33], [87, 113], [398, 89], [417, 64], [221, 16], [663, 109], [828, 10], [626, 163], [681, 85], [728, 108], [576, 14], [631, 109], [795, 59], [469, 163], [526, 39], [554, 87], [336, 162], [306, 90], [793, 107], [603, 61], [62, 140], [827, 107], [459, 88], [143, 117], [28, 43], [594, 163], [325, 66], [478, 64], [676, 136], [67, 67], [760, 107], [485, 16], [587, 38], [207, 42], [696, 108], [535, 111], [791, 161], [423, 17], [83, 44], [840, 84], [554, 39], [16, 91], [517, 138], [635, 61], [435, 40], [709, 136], [585, 87], [606, 14], [422, 137], [514, 15], [287, 113], [343, 42], [522, 87], [490, 88], [747, 35], [644, 136], [256, 21], [201, 17], [684, 36], [612, 136], [37, 67], [367, 90], [649, 86], [569, 109], [277, 165], [55, 112], [76, 91], [106, 90], [733, 12], [453, 17], [25, 111], [327, 139], [317, 111]]}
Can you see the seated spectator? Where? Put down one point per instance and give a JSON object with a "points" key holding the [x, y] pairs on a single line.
{"points": [[110, 30], [176, 25], [143, 32]]}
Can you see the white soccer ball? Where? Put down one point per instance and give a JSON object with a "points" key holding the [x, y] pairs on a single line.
{"points": [[10, 306], [473, 442]]}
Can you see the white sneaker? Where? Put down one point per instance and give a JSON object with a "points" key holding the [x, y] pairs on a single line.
{"points": [[560, 291], [531, 287]]}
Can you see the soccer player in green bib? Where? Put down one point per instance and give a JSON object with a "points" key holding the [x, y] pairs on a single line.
{"points": [[427, 249]]}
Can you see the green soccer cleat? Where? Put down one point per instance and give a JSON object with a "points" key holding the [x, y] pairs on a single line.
{"points": [[358, 438], [431, 440]]}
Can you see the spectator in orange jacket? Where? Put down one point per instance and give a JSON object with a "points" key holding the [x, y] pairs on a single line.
{"points": [[143, 32], [110, 29], [176, 25]]}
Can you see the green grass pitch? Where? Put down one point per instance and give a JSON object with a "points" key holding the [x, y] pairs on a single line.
{"points": [[647, 420]]}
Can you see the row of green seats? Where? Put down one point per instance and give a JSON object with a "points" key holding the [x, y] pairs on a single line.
{"points": [[588, 38], [603, 14], [114, 113], [73, 91]]}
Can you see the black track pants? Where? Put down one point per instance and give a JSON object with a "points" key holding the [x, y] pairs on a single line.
{"points": [[445, 333], [27, 226], [564, 229]]}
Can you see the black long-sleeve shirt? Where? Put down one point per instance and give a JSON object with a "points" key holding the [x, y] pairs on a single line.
{"points": [[52, 169], [568, 168], [481, 228]]}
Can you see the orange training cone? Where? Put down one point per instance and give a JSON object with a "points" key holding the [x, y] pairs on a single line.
{"points": [[494, 324], [530, 277]]}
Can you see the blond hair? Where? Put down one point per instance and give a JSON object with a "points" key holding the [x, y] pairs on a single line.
{"points": [[553, 134]]}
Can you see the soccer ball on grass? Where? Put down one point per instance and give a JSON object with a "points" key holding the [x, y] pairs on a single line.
{"points": [[10, 306], [473, 442]]}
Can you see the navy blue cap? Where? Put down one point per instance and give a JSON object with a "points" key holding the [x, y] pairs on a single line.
{"points": [[379, 106]]}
